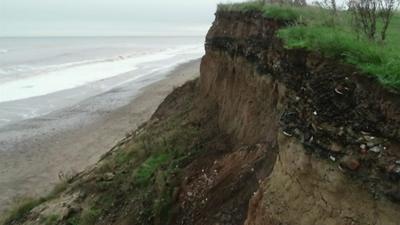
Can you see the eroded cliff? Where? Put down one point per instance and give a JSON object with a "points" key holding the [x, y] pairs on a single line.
{"points": [[265, 136]]}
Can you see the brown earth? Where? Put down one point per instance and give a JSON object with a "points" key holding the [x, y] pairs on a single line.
{"points": [[266, 136]]}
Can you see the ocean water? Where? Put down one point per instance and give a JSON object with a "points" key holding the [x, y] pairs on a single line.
{"points": [[38, 68]]}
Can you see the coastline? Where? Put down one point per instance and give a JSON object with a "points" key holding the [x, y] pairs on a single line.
{"points": [[64, 142]]}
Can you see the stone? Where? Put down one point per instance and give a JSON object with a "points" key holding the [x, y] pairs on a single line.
{"points": [[394, 194], [287, 134], [370, 144], [397, 162], [369, 138], [335, 147], [350, 163], [394, 172], [376, 149], [108, 176], [82, 195], [338, 91], [373, 141]]}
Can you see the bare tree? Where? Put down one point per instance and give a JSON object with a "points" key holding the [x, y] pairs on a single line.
{"points": [[365, 15], [386, 10], [329, 5], [299, 2]]}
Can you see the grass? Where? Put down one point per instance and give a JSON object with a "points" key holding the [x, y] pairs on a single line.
{"points": [[271, 11], [316, 29], [145, 171], [20, 209], [90, 216], [23, 206], [49, 220], [149, 167]]}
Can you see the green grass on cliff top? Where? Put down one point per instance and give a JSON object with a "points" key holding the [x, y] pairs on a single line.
{"points": [[316, 29]]}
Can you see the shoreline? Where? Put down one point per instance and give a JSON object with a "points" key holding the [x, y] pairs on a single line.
{"points": [[68, 141]]}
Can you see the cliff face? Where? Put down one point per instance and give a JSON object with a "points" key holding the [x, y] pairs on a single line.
{"points": [[335, 131], [265, 136]]}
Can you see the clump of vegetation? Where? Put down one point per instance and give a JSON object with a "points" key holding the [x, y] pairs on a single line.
{"points": [[140, 178], [49, 220], [149, 167], [90, 216], [283, 12], [23, 206], [20, 209], [348, 34]]}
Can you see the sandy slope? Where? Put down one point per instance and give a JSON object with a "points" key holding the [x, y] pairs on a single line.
{"points": [[34, 152]]}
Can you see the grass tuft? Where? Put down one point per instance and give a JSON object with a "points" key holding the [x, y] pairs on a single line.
{"points": [[249, 6], [90, 216], [21, 208], [149, 167]]}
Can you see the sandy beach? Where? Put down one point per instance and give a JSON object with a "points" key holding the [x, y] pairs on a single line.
{"points": [[34, 152]]}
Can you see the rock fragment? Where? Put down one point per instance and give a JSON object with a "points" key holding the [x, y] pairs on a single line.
{"points": [[376, 149], [350, 163], [108, 176], [286, 133], [335, 147], [394, 194]]}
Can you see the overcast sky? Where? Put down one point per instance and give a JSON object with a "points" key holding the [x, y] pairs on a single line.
{"points": [[106, 17]]}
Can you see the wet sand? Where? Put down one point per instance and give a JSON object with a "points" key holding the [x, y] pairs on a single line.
{"points": [[34, 152]]}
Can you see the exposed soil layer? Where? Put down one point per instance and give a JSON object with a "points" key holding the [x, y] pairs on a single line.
{"points": [[265, 136], [336, 112]]}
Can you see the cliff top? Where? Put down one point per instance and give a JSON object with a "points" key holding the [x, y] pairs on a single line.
{"points": [[334, 35]]}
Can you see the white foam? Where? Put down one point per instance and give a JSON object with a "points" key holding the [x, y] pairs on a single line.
{"points": [[76, 75]]}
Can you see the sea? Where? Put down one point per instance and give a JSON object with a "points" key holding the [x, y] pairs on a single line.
{"points": [[36, 71]]}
